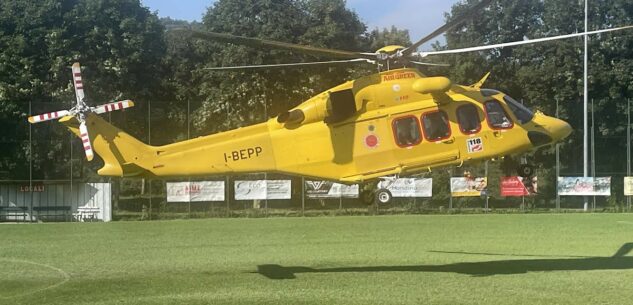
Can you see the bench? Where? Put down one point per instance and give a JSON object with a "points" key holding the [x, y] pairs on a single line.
{"points": [[13, 213], [64, 209]]}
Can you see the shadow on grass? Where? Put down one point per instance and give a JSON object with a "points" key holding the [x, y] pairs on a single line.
{"points": [[617, 262]]}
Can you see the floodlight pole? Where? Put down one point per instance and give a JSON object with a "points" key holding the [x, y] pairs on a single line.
{"points": [[189, 137], [557, 167], [30, 165], [71, 169], [585, 108], [628, 148], [593, 153]]}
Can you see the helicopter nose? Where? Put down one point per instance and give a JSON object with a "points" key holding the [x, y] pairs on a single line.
{"points": [[560, 130], [555, 131]]}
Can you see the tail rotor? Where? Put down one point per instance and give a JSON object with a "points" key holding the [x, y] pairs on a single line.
{"points": [[81, 111]]}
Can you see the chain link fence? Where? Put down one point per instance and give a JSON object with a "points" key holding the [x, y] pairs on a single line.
{"points": [[47, 152]]}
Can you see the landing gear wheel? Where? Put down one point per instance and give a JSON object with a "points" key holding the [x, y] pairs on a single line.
{"points": [[525, 170], [383, 196]]}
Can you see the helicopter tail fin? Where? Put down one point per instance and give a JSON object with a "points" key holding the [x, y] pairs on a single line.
{"points": [[122, 154]]}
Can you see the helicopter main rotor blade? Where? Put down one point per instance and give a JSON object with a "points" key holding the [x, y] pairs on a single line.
{"points": [[259, 43], [429, 64], [332, 62], [455, 22], [517, 43]]}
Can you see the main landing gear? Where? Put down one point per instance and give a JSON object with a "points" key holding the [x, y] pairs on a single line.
{"points": [[511, 166], [377, 192], [525, 170], [383, 196]]}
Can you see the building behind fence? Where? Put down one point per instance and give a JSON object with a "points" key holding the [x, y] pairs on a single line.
{"points": [[35, 201]]}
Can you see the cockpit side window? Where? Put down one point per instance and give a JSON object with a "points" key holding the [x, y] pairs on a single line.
{"points": [[522, 113], [406, 130], [468, 119], [436, 125], [497, 116]]}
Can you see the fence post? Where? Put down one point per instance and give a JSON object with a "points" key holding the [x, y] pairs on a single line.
{"points": [[227, 196], [30, 167], [303, 196]]}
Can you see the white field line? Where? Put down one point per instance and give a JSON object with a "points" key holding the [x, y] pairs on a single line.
{"points": [[65, 275]]}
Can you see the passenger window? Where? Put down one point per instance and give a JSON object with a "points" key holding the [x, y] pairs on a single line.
{"points": [[468, 119], [407, 131], [436, 125], [497, 116]]}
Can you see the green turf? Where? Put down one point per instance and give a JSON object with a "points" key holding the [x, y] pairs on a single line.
{"points": [[458, 259]]}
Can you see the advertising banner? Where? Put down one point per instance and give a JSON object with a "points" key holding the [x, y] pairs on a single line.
{"points": [[468, 187], [584, 186], [516, 186], [197, 191], [278, 189], [410, 187], [262, 189], [628, 186], [328, 189]]}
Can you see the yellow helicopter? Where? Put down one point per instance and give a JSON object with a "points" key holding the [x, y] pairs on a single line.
{"points": [[394, 122]]}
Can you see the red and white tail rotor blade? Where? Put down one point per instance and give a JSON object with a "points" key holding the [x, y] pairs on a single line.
{"points": [[85, 138], [78, 82], [48, 116], [113, 106]]}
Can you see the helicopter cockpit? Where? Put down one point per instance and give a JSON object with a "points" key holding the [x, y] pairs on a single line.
{"points": [[544, 129], [496, 113]]}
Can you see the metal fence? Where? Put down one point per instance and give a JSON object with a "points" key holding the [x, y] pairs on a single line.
{"points": [[54, 154]]}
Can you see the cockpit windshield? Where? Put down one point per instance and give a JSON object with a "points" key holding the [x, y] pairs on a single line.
{"points": [[522, 113]]}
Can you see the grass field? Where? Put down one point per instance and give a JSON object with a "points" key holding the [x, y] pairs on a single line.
{"points": [[447, 259]]}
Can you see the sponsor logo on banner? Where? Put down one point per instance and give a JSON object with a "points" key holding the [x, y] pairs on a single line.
{"points": [[516, 186], [410, 187], [316, 185], [475, 145], [467, 186], [628, 186], [584, 186], [327, 189], [262, 189], [197, 191]]}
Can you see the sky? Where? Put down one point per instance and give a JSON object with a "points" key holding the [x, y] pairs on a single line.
{"points": [[420, 17]]}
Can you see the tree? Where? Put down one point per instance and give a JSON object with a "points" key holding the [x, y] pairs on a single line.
{"points": [[245, 97], [379, 38], [119, 43]]}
